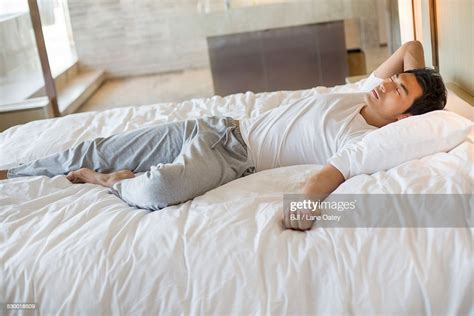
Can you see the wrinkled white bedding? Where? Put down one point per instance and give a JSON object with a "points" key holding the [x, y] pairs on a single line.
{"points": [[75, 249]]}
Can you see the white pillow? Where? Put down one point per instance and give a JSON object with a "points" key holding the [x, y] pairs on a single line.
{"points": [[410, 138]]}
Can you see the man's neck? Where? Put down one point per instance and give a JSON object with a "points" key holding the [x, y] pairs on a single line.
{"points": [[372, 119]]}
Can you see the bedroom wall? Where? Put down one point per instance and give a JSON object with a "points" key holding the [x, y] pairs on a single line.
{"points": [[423, 29], [455, 42], [136, 37]]}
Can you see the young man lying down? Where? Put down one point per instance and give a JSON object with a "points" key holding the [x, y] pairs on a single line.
{"points": [[182, 160]]}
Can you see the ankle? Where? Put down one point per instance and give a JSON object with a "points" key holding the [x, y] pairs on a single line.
{"points": [[111, 180], [118, 176]]}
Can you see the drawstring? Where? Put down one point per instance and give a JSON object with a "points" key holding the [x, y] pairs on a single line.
{"points": [[228, 130]]}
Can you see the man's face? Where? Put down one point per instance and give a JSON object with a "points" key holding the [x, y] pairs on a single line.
{"points": [[389, 100]]}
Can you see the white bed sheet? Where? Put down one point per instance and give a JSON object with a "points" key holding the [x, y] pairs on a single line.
{"points": [[75, 249]]}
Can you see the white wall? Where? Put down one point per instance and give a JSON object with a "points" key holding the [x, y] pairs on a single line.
{"points": [[423, 29], [382, 21], [455, 20], [405, 13]]}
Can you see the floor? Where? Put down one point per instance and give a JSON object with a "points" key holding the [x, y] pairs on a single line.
{"points": [[169, 87], [174, 87]]}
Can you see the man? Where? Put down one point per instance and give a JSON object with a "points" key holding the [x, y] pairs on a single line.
{"points": [[182, 160], [407, 90]]}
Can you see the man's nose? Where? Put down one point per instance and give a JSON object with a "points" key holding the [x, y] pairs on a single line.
{"points": [[386, 86]]}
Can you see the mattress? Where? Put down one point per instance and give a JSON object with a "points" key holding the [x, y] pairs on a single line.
{"points": [[76, 249]]}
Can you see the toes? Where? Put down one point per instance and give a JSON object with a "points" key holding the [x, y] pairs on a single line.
{"points": [[74, 177], [70, 176]]}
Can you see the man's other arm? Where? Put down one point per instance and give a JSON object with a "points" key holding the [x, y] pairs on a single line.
{"points": [[409, 56], [317, 187]]}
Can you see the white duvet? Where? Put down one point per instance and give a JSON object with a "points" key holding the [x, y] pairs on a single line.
{"points": [[77, 250]]}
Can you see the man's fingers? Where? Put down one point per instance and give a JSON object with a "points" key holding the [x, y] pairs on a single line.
{"points": [[298, 220], [305, 222]]}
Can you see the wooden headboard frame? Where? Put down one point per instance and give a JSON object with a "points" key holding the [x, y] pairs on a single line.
{"points": [[434, 33]]}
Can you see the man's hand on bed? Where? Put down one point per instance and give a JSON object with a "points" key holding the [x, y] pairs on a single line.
{"points": [[299, 219], [317, 187]]}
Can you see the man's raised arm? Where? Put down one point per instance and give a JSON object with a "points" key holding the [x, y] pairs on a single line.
{"points": [[409, 56], [318, 186]]}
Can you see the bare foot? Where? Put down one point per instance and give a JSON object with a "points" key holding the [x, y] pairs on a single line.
{"points": [[85, 175]]}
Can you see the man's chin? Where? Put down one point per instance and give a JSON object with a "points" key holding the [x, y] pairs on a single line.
{"points": [[369, 102], [368, 99]]}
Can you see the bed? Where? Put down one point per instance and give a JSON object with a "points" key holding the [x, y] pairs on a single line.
{"points": [[76, 249]]}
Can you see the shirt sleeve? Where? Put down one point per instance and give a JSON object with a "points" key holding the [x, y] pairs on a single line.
{"points": [[348, 160], [371, 83], [396, 143]]}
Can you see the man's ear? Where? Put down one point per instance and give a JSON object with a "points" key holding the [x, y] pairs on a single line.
{"points": [[402, 116]]}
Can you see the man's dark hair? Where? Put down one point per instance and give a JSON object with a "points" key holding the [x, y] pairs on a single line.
{"points": [[434, 92]]}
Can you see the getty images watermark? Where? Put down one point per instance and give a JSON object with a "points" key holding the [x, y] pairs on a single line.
{"points": [[313, 209], [382, 210]]}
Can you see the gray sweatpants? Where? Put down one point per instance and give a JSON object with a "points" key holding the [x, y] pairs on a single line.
{"points": [[180, 160]]}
